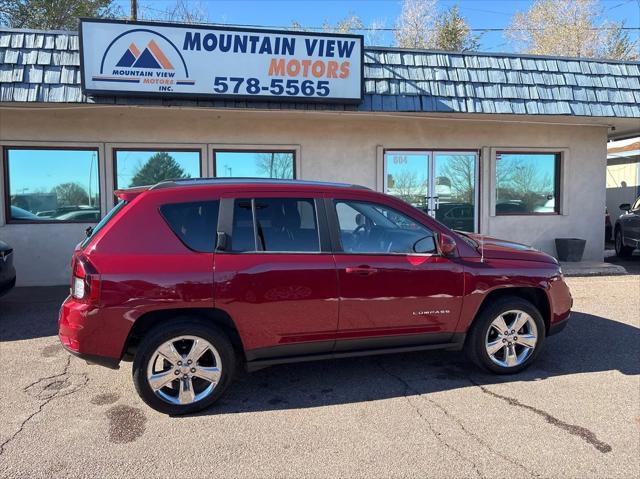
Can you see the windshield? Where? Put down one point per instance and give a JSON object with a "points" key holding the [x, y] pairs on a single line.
{"points": [[91, 232]]}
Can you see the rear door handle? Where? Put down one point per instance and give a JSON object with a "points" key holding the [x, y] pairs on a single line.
{"points": [[361, 270]]}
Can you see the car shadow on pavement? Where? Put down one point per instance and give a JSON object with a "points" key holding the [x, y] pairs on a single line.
{"points": [[588, 344], [31, 312]]}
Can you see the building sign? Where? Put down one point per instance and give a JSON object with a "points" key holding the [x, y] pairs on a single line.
{"points": [[143, 58]]}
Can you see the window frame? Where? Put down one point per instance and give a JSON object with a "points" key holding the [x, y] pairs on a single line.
{"points": [[557, 184], [227, 211], [432, 152], [334, 225], [269, 149], [7, 193], [116, 149]]}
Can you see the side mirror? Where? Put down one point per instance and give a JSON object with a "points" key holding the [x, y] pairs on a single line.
{"points": [[425, 245], [625, 207], [446, 245]]}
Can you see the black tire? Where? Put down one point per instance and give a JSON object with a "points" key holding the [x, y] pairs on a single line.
{"points": [[622, 251], [161, 334], [475, 345]]}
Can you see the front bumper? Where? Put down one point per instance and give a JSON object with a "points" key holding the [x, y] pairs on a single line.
{"points": [[558, 326], [7, 286]]}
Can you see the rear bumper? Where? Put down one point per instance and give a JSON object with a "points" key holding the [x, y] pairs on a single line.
{"points": [[82, 332], [111, 363]]}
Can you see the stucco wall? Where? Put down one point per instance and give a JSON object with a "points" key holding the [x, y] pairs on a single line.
{"points": [[334, 147]]}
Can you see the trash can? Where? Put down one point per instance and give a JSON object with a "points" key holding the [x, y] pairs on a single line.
{"points": [[570, 249]]}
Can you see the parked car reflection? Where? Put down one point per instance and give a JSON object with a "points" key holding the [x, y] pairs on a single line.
{"points": [[90, 214], [457, 216]]}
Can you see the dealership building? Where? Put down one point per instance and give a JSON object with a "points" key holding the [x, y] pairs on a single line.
{"points": [[511, 146]]}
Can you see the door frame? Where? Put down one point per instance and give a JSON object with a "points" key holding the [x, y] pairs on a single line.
{"points": [[431, 154]]}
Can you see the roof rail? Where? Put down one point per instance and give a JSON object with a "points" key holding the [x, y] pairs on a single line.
{"points": [[242, 180]]}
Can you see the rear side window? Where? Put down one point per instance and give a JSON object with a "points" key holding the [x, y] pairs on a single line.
{"points": [[193, 223], [275, 225]]}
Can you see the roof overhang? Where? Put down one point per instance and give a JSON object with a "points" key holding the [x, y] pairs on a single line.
{"points": [[618, 127]]}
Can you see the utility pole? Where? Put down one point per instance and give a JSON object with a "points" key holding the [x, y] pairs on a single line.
{"points": [[134, 9]]}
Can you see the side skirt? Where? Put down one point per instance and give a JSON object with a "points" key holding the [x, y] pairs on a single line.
{"points": [[257, 364]]}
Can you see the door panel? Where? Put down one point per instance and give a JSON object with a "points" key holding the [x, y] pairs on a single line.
{"points": [[279, 300], [417, 299], [389, 295], [276, 278]]}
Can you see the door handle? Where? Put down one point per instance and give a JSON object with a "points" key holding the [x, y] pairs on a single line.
{"points": [[361, 270]]}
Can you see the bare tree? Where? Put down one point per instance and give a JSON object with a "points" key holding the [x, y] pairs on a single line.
{"points": [[275, 165], [407, 185], [184, 11], [415, 26], [373, 35], [461, 172], [570, 28], [350, 23]]}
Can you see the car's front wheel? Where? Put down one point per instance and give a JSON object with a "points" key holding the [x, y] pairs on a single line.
{"points": [[183, 367], [622, 251], [507, 336]]}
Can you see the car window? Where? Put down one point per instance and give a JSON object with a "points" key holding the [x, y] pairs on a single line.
{"points": [[281, 225], [287, 224], [636, 206], [194, 223], [375, 228]]}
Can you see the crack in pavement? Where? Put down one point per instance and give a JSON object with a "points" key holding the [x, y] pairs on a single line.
{"points": [[436, 434], [55, 393], [579, 431]]}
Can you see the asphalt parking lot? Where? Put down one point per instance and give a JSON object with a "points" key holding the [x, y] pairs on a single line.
{"points": [[575, 413]]}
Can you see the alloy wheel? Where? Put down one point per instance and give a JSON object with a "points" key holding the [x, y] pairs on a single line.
{"points": [[511, 339], [184, 370]]}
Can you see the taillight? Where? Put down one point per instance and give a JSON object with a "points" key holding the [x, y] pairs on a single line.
{"points": [[85, 281]]}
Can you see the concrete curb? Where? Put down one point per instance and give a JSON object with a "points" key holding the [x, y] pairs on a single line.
{"points": [[587, 268]]}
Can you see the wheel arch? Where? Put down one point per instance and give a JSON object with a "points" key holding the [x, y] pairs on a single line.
{"points": [[536, 296], [154, 319]]}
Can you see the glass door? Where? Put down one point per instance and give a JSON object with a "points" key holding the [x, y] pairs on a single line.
{"points": [[441, 183], [407, 176], [455, 189]]}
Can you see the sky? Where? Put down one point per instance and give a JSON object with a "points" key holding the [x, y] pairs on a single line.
{"points": [[479, 13]]}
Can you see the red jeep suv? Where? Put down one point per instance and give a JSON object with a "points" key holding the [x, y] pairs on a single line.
{"points": [[191, 278]]}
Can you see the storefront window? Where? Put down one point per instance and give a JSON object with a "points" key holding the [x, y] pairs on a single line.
{"points": [[527, 183], [148, 167], [255, 164], [50, 184]]}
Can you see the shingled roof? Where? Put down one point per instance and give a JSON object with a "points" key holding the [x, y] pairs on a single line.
{"points": [[37, 66]]}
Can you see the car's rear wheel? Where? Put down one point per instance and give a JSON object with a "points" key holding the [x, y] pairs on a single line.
{"points": [[622, 251], [507, 336], [183, 367]]}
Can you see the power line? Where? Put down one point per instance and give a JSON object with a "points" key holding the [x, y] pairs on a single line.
{"points": [[390, 29]]}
